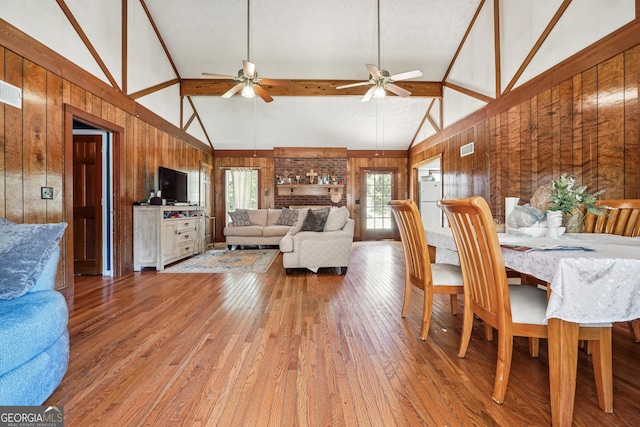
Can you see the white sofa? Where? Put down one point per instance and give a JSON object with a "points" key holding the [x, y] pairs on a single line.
{"points": [[316, 249], [263, 230]]}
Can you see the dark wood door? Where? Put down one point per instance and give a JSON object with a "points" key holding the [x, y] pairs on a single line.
{"points": [[87, 204]]}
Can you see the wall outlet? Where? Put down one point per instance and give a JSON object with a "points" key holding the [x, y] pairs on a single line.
{"points": [[46, 192]]}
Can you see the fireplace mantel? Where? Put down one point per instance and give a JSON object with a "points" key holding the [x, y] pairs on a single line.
{"points": [[309, 189]]}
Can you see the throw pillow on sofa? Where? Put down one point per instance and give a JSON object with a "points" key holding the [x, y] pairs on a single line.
{"points": [[240, 218], [337, 218], [315, 220], [25, 250], [287, 217]]}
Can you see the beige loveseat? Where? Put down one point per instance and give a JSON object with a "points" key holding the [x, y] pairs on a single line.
{"points": [[330, 247], [262, 231]]}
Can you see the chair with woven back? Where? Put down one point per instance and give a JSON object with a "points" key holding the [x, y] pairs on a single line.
{"points": [[514, 310], [420, 272], [622, 218]]}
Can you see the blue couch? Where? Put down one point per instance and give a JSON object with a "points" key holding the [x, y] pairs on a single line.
{"points": [[33, 316]]}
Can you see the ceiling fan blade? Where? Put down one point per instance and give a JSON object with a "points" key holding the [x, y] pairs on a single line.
{"points": [[232, 91], [367, 96], [259, 90], [352, 85], [407, 75], [397, 90], [218, 76], [373, 70], [249, 68], [275, 82]]}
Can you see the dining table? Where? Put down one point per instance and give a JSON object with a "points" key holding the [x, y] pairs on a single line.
{"points": [[592, 278]]}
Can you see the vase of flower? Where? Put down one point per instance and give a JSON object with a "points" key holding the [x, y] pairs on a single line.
{"points": [[573, 200]]}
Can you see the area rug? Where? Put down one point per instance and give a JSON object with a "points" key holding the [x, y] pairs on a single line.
{"points": [[225, 261]]}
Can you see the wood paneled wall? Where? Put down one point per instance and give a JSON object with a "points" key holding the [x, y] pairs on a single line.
{"points": [[586, 126], [32, 150], [355, 165], [356, 161]]}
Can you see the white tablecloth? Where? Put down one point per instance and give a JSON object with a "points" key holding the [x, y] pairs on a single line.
{"points": [[596, 286]]}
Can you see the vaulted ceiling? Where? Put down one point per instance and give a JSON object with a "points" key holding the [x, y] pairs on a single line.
{"points": [[470, 52], [318, 45]]}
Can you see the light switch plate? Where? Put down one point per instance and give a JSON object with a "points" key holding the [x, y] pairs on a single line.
{"points": [[46, 192]]}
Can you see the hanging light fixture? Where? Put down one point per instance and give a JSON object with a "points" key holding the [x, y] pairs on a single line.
{"points": [[247, 90], [379, 91], [247, 87], [382, 80]]}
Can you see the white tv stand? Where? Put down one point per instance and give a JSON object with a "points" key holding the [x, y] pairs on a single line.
{"points": [[165, 234]]}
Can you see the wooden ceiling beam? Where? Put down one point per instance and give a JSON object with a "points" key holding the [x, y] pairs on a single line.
{"points": [[215, 87]]}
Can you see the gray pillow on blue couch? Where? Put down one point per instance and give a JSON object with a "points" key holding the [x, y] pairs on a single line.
{"points": [[24, 251]]}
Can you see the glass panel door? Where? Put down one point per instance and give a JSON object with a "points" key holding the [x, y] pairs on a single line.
{"points": [[378, 191]]}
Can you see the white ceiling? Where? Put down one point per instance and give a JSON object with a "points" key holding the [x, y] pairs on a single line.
{"points": [[316, 40], [304, 39]]}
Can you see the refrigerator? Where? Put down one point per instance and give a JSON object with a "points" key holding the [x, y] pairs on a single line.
{"points": [[431, 214]]}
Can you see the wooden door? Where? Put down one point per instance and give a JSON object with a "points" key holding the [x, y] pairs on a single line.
{"points": [[206, 202], [87, 204], [378, 189]]}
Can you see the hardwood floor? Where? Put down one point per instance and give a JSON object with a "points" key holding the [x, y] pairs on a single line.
{"points": [[307, 349]]}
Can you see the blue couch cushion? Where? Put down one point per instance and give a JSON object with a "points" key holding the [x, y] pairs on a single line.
{"points": [[33, 382], [24, 251], [30, 324]]}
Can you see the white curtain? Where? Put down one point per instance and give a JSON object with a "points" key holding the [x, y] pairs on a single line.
{"points": [[242, 188]]}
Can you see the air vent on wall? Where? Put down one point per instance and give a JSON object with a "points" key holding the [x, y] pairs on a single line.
{"points": [[466, 149], [10, 94]]}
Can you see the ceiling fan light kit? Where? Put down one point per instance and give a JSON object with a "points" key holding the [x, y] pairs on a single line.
{"points": [[247, 91], [248, 83], [381, 79], [379, 92]]}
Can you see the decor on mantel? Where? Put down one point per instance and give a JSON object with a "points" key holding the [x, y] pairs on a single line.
{"points": [[309, 189], [327, 167], [312, 175], [573, 201]]}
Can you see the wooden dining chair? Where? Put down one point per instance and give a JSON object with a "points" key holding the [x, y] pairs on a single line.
{"points": [[513, 310], [622, 217], [420, 272]]}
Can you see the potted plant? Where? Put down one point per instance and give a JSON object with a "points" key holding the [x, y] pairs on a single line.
{"points": [[573, 201]]}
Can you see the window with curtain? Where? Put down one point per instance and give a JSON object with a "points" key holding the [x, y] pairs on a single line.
{"points": [[241, 189]]}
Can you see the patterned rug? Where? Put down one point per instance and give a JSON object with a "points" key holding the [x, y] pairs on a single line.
{"points": [[225, 261]]}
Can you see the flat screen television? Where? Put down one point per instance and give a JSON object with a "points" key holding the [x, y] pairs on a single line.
{"points": [[172, 185]]}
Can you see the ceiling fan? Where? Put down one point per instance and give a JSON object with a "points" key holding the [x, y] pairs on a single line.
{"points": [[248, 82], [381, 79]]}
